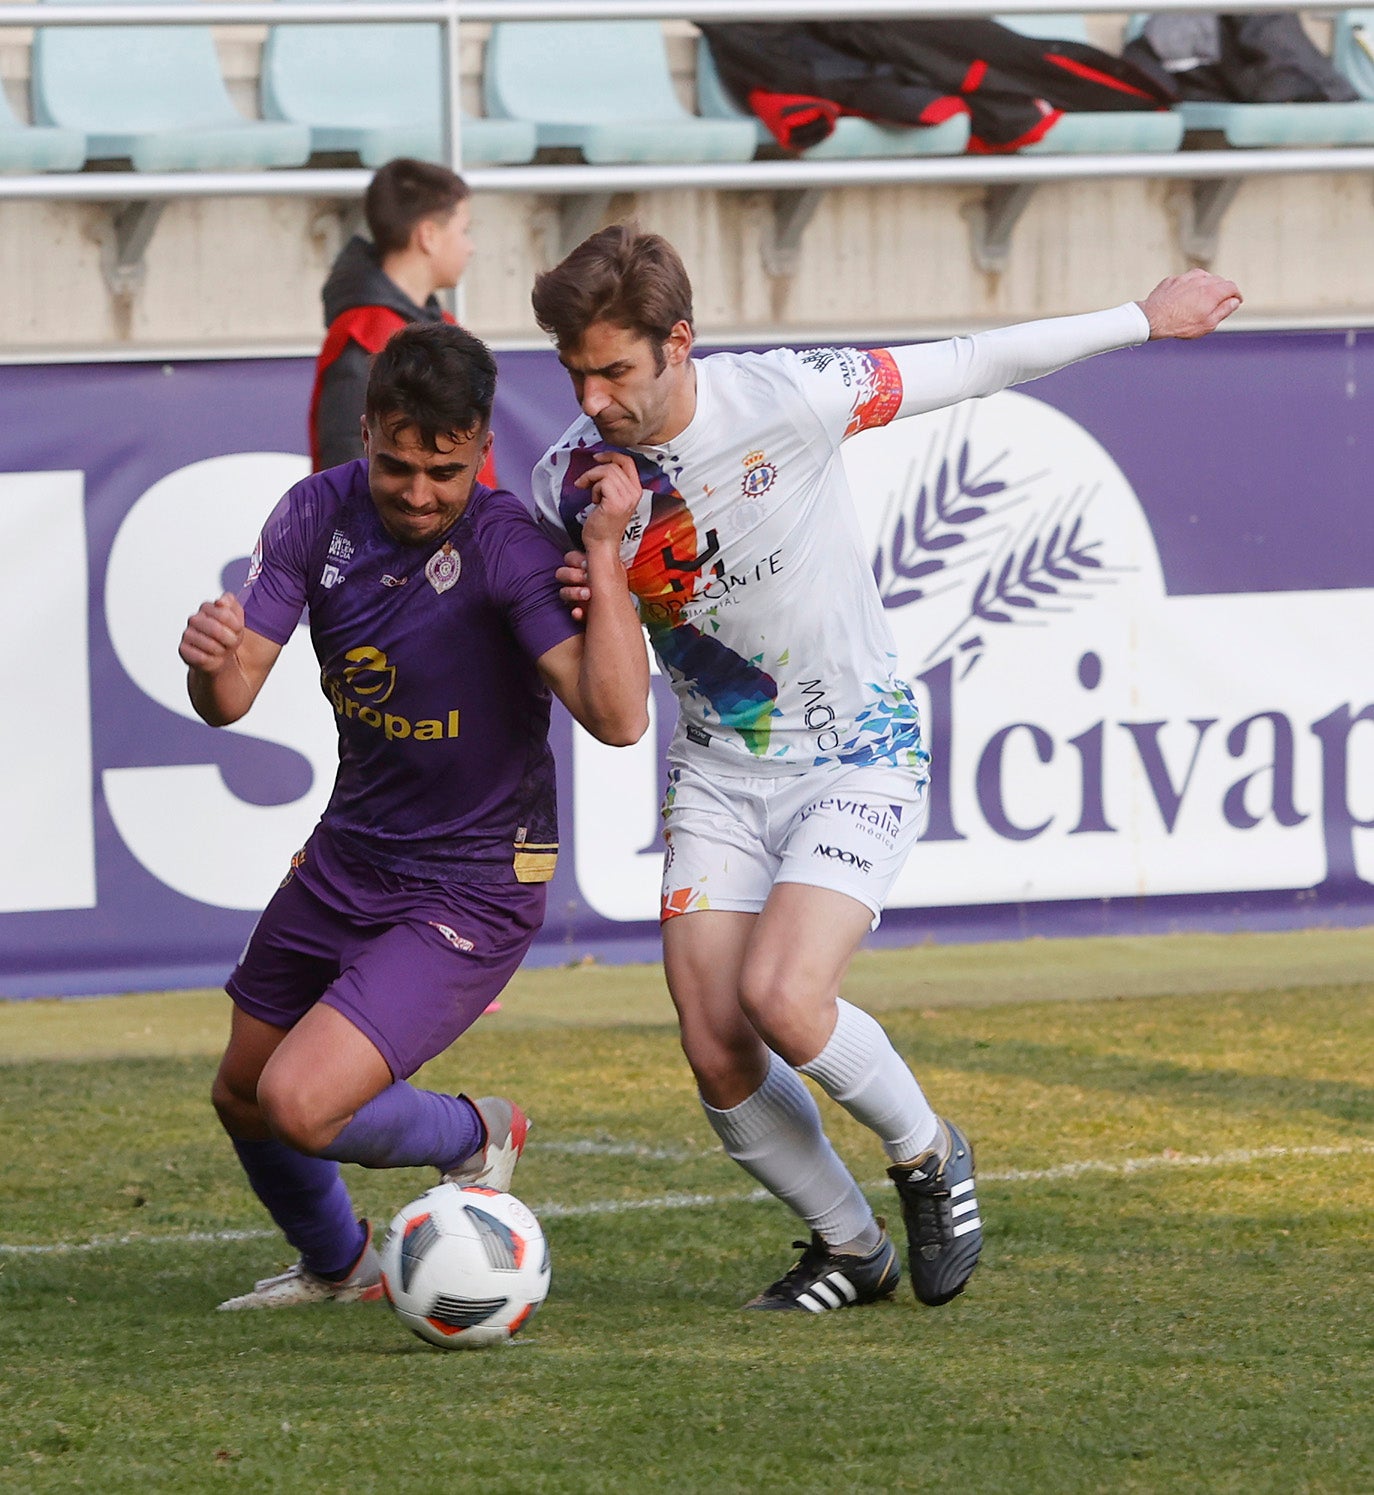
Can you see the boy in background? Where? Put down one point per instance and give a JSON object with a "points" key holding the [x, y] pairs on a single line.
{"points": [[419, 217]]}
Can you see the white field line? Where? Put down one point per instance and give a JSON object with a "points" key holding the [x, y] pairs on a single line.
{"points": [[1240, 1157], [603, 1149]]}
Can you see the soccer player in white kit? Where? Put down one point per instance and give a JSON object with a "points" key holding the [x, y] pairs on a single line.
{"points": [[797, 778]]}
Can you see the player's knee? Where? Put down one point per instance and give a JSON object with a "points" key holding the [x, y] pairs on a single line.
{"points": [[237, 1111], [764, 997], [293, 1115], [721, 1066]]}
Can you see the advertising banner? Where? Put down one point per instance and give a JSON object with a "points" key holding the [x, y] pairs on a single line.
{"points": [[1135, 600]]}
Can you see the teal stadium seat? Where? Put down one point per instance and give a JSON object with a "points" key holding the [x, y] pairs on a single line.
{"points": [[37, 147], [602, 87], [1257, 125], [851, 139], [1108, 132], [154, 94], [1352, 49], [377, 91]]}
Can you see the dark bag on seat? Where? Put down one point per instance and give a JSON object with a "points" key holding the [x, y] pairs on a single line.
{"points": [[1251, 59]]}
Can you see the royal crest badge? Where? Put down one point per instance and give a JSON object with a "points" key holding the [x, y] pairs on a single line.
{"points": [[443, 567], [759, 475]]}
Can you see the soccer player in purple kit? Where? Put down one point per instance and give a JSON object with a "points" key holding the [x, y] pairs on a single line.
{"points": [[435, 613]]}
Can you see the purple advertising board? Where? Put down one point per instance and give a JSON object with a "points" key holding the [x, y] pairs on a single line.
{"points": [[1134, 599]]}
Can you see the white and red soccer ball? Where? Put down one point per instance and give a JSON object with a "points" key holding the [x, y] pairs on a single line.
{"points": [[465, 1267]]}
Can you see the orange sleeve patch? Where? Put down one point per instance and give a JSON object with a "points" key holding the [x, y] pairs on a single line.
{"points": [[881, 397]]}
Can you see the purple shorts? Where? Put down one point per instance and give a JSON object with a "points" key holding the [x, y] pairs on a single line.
{"points": [[410, 963]]}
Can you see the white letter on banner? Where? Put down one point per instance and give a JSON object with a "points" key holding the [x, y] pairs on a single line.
{"points": [[616, 795], [182, 822], [45, 734]]}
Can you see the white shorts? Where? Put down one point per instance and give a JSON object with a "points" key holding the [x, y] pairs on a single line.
{"points": [[729, 838]]}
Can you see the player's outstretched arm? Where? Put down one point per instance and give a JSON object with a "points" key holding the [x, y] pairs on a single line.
{"points": [[1189, 305], [937, 374], [602, 676], [226, 662]]}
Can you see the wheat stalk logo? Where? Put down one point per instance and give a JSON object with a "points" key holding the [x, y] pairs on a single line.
{"points": [[954, 527], [930, 522]]}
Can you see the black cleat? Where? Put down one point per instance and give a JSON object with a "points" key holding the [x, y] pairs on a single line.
{"points": [[940, 1209], [825, 1279]]}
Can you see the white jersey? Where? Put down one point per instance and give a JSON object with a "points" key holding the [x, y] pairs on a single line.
{"points": [[746, 554]]}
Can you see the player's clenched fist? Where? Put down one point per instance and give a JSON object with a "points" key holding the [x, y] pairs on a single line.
{"points": [[1190, 305], [615, 491], [213, 635]]}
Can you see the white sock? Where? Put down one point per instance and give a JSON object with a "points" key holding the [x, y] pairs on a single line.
{"points": [[775, 1134], [861, 1070]]}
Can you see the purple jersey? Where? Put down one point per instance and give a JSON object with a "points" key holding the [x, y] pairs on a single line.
{"points": [[427, 656]]}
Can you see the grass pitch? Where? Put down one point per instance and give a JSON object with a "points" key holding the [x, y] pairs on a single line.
{"points": [[1178, 1188]]}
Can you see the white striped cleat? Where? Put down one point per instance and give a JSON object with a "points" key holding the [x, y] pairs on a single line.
{"points": [[825, 1279], [944, 1230], [492, 1166]]}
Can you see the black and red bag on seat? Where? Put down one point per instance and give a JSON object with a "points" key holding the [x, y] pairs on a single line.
{"points": [[800, 78]]}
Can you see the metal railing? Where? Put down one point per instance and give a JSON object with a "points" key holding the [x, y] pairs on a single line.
{"points": [[345, 183]]}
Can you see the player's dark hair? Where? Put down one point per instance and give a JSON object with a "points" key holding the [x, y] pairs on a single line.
{"points": [[622, 276], [434, 377], [402, 194]]}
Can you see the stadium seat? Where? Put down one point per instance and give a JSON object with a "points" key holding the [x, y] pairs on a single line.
{"points": [[851, 139], [602, 87], [376, 91], [1352, 49], [154, 94], [37, 147], [1255, 125], [1110, 132], [1283, 124]]}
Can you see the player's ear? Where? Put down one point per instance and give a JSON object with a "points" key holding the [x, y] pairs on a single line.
{"points": [[367, 435], [677, 346]]}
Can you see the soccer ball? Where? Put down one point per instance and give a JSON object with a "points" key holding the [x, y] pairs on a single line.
{"points": [[465, 1267]]}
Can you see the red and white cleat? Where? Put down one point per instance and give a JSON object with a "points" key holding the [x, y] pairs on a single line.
{"points": [[492, 1166]]}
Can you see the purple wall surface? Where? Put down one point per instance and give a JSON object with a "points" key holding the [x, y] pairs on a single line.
{"points": [[1181, 738]]}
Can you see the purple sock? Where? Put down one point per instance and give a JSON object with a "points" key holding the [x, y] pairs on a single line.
{"points": [[407, 1128], [309, 1202]]}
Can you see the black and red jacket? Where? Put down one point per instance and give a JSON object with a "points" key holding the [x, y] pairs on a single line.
{"points": [[363, 306], [799, 78]]}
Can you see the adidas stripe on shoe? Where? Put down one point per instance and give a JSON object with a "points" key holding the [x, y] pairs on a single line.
{"points": [[824, 1280]]}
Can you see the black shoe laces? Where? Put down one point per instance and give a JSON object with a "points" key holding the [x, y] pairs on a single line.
{"points": [[932, 1208], [814, 1256]]}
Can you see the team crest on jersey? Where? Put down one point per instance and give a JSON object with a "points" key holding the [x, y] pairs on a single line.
{"points": [[759, 475], [443, 567]]}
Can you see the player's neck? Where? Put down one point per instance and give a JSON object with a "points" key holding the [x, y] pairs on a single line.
{"points": [[412, 272]]}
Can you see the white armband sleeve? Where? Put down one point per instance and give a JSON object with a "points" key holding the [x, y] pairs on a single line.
{"points": [[965, 368]]}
